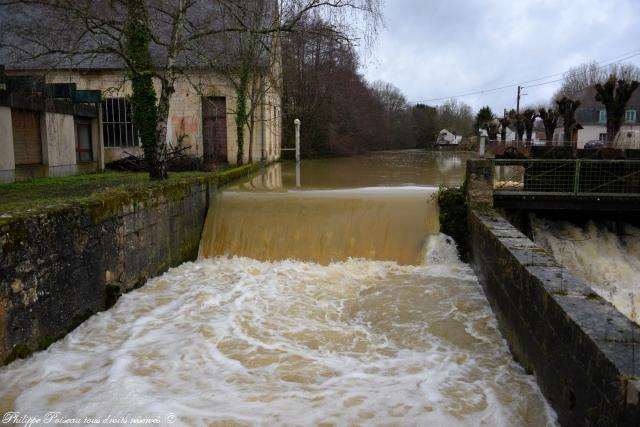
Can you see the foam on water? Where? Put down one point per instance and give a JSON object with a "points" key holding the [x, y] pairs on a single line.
{"points": [[239, 341], [604, 255]]}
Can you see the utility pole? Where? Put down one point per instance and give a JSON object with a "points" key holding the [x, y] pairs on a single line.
{"points": [[518, 102]]}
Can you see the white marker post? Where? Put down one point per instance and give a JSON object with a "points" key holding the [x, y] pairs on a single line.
{"points": [[482, 137], [297, 123]]}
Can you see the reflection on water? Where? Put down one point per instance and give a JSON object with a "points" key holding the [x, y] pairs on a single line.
{"points": [[402, 335], [385, 169], [385, 208]]}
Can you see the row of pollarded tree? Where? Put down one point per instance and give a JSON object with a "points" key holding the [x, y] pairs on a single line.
{"points": [[614, 94]]}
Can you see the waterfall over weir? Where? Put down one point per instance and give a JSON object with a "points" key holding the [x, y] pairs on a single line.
{"points": [[386, 224], [318, 305]]}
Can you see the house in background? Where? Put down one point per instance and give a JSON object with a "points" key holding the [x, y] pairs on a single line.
{"points": [[592, 116], [448, 137], [47, 130], [201, 115]]}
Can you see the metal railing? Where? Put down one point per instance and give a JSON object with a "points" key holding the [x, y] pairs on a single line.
{"points": [[581, 177]]}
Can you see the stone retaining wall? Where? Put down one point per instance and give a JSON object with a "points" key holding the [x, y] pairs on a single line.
{"points": [[59, 267], [584, 353]]}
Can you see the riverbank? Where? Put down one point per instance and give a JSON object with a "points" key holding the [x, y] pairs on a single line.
{"points": [[70, 246]]}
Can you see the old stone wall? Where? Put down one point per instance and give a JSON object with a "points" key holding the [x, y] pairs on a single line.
{"points": [[57, 268], [583, 352]]}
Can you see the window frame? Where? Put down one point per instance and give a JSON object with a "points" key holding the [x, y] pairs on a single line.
{"points": [[79, 121], [633, 114], [602, 116], [118, 129]]}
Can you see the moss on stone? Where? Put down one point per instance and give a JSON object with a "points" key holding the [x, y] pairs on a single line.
{"points": [[593, 296], [453, 217], [45, 342], [19, 351], [79, 318], [13, 236], [111, 294]]}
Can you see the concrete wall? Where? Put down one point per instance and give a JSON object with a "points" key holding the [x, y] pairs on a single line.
{"points": [[59, 267], [58, 138], [7, 160], [59, 144], [185, 113], [580, 348]]}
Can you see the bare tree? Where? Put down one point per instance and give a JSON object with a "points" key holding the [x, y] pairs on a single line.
{"points": [[74, 32], [492, 128], [615, 94], [577, 79], [567, 108], [549, 118], [518, 121], [504, 125], [529, 117]]}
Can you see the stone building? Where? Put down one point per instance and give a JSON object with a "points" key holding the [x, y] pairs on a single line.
{"points": [[201, 115]]}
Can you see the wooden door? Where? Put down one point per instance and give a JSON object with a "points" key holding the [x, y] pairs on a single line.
{"points": [[27, 145], [214, 129]]}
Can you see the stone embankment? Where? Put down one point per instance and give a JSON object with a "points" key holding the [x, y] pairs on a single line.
{"points": [[59, 266], [584, 353]]}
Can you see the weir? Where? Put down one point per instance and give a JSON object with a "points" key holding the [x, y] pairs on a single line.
{"points": [[320, 305], [323, 225]]}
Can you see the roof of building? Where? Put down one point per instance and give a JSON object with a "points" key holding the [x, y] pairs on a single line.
{"points": [[587, 99], [39, 37]]}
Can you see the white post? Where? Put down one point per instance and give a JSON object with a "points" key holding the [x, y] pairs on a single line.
{"points": [[297, 123], [482, 137]]}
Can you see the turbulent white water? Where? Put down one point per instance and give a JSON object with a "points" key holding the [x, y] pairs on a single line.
{"points": [[235, 341], [609, 260]]}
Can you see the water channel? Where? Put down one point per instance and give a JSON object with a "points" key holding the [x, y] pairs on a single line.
{"points": [[335, 302]]}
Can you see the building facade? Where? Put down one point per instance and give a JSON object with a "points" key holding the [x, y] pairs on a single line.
{"points": [[45, 141], [592, 116]]}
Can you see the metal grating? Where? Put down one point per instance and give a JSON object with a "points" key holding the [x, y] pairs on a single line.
{"points": [[582, 177], [117, 125]]}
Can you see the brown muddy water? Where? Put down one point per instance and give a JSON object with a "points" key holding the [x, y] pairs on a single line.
{"points": [[335, 302]]}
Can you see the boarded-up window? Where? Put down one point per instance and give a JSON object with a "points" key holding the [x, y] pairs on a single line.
{"points": [[27, 145], [117, 123], [84, 146]]}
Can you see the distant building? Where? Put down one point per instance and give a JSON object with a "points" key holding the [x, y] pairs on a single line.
{"points": [[592, 115], [47, 138], [448, 137]]}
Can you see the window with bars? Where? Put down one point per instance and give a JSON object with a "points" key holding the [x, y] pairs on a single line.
{"points": [[117, 125]]}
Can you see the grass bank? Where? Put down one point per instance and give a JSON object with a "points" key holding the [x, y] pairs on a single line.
{"points": [[99, 192]]}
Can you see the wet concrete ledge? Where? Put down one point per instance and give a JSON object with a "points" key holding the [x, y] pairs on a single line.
{"points": [[584, 353], [60, 266]]}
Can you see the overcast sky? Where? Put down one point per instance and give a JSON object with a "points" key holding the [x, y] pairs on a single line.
{"points": [[439, 48]]}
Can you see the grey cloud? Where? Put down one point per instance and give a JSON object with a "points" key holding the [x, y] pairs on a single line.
{"points": [[432, 49]]}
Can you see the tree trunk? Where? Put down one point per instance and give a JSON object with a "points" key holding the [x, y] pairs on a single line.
{"points": [[241, 114], [251, 127], [159, 171]]}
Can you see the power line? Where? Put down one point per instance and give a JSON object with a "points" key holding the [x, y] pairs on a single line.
{"points": [[622, 57]]}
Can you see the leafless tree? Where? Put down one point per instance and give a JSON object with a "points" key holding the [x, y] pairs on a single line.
{"points": [[70, 33], [549, 118], [615, 94], [576, 79]]}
